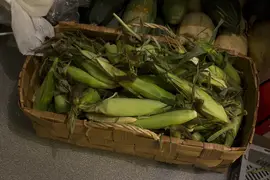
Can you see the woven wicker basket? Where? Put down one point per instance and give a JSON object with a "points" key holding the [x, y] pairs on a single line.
{"points": [[132, 140]]}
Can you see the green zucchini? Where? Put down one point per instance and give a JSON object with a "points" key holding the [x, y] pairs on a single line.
{"points": [[140, 10], [174, 11]]}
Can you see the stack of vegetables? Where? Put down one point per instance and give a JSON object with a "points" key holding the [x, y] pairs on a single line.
{"points": [[190, 92]]}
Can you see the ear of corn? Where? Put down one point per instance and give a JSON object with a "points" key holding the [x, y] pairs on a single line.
{"points": [[94, 71], [128, 107], [138, 86], [166, 119], [218, 77], [61, 103], [218, 59], [92, 56], [111, 52], [149, 90], [179, 71], [231, 72], [90, 96], [45, 93], [236, 122], [110, 69], [102, 118], [209, 108], [197, 137], [157, 81], [85, 78]]}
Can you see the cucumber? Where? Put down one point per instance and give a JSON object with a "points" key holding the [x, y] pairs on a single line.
{"points": [[174, 11], [144, 10]]}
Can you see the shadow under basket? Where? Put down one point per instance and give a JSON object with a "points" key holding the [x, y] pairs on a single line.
{"points": [[133, 140]]}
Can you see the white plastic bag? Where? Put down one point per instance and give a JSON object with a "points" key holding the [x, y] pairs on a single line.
{"points": [[29, 32]]}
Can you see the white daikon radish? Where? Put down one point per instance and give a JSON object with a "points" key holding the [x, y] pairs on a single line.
{"points": [[197, 25], [259, 44], [232, 42]]}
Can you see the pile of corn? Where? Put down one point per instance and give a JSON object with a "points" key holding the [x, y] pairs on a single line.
{"points": [[189, 92]]}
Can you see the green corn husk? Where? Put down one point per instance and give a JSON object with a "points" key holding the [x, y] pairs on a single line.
{"points": [[176, 134], [157, 81], [61, 103], [210, 108], [180, 71], [218, 77], [231, 129], [44, 95], [92, 56], [148, 90], [124, 107], [90, 96], [197, 137], [236, 122], [167, 119], [138, 86], [110, 69], [218, 59], [102, 118], [112, 52], [94, 71], [85, 78]]}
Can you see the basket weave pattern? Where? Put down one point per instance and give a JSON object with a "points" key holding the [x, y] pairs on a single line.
{"points": [[125, 138]]}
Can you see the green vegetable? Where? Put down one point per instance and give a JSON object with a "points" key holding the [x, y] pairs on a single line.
{"points": [[44, 94], [197, 137], [90, 96], [61, 103], [102, 118], [209, 107], [148, 90], [128, 107], [158, 81], [112, 52], [95, 71], [85, 78], [166, 119]]}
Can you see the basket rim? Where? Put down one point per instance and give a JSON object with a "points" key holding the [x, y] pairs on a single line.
{"points": [[118, 32]]}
